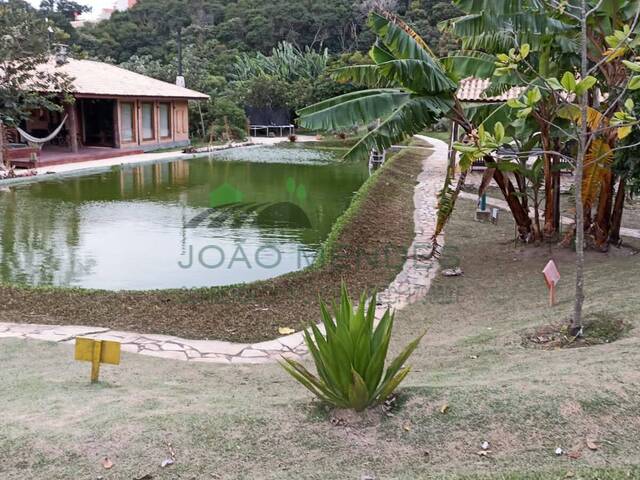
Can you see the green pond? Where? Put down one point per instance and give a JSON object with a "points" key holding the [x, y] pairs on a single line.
{"points": [[233, 217]]}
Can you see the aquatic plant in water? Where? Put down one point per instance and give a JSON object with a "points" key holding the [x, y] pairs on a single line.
{"points": [[298, 156]]}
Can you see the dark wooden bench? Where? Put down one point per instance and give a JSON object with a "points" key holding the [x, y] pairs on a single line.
{"points": [[22, 156]]}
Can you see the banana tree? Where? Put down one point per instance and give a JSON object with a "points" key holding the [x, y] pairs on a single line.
{"points": [[514, 32], [407, 88], [551, 32]]}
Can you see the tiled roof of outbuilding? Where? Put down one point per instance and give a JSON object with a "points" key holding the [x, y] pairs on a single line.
{"points": [[472, 90], [103, 79]]}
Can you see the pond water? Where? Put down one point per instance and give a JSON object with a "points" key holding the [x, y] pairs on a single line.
{"points": [[239, 216]]}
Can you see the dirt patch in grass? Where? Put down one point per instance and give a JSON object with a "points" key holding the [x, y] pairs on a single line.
{"points": [[366, 249], [598, 328]]}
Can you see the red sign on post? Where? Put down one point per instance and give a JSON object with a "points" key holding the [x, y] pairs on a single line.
{"points": [[552, 277]]}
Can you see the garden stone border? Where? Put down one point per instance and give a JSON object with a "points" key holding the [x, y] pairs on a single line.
{"points": [[409, 286]]}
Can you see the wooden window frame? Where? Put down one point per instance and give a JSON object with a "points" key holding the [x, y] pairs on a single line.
{"points": [[153, 122], [134, 130], [169, 106]]}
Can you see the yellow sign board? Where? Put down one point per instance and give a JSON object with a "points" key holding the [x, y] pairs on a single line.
{"points": [[97, 352]]}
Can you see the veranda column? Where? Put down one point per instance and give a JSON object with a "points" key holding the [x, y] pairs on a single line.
{"points": [[116, 124], [3, 146], [70, 110]]}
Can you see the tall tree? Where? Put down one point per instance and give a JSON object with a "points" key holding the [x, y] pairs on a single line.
{"points": [[591, 109], [552, 32], [24, 45]]}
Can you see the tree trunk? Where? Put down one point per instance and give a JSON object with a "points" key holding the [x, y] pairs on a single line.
{"points": [[549, 204], [536, 216], [603, 216], [618, 209], [3, 146], [455, 129], [522, 187], [587, 217], [576, 323], [556, 188], [520, 215]]}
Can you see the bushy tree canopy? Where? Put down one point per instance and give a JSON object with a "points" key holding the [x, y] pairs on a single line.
{"points": [[24, 44]]}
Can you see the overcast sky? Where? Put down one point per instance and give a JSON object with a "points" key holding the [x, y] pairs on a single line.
{"points": [[96, 5]]}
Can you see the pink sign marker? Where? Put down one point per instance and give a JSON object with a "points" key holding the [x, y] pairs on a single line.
{"points": [[552, 277]]}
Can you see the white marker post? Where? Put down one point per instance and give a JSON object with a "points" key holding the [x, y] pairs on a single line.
{"points": [[552, 277], [494, 215]]}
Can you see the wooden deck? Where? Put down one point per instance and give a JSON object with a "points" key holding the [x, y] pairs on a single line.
{"points": [[50, 156]]}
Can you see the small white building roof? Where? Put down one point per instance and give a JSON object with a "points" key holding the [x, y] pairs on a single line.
{"points": [[91, 78]]}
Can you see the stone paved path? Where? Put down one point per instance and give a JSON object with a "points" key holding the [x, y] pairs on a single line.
{"points": [[411, 284]]}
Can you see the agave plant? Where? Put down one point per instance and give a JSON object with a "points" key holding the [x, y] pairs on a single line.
{"points": [[350, 357]]}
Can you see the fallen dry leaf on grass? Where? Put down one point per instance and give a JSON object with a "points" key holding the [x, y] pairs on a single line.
{"points": [[406, 426], [592, 445], [574, 454], [444, 408], [483, 453], [453, 272], [388, 405], [286, 331], [107, 463]]}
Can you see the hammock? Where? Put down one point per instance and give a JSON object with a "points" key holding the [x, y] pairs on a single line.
{"points": [[38, 142]]}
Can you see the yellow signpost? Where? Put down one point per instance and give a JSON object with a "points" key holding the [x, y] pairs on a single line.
{"points": [[97, 352]]}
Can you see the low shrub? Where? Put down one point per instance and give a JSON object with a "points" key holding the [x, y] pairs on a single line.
{"points": [[350, 357]]}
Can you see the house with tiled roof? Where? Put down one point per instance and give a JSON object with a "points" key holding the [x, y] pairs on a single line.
{"points": [[474, 90], [115, 111]]}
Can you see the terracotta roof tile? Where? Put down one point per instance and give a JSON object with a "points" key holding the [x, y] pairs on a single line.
{"points": [[98, 78], [472, 90]]}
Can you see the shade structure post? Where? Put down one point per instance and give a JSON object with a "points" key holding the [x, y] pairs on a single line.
{"points": [[70, 110]]}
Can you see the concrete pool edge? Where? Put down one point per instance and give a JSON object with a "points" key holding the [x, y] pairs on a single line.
{"points": [[410, 285], [131, 161], [91, 167]]}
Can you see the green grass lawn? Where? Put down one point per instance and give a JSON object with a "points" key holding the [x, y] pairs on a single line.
{"points": [[630, 217], [254, 422], [444, 136]]}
